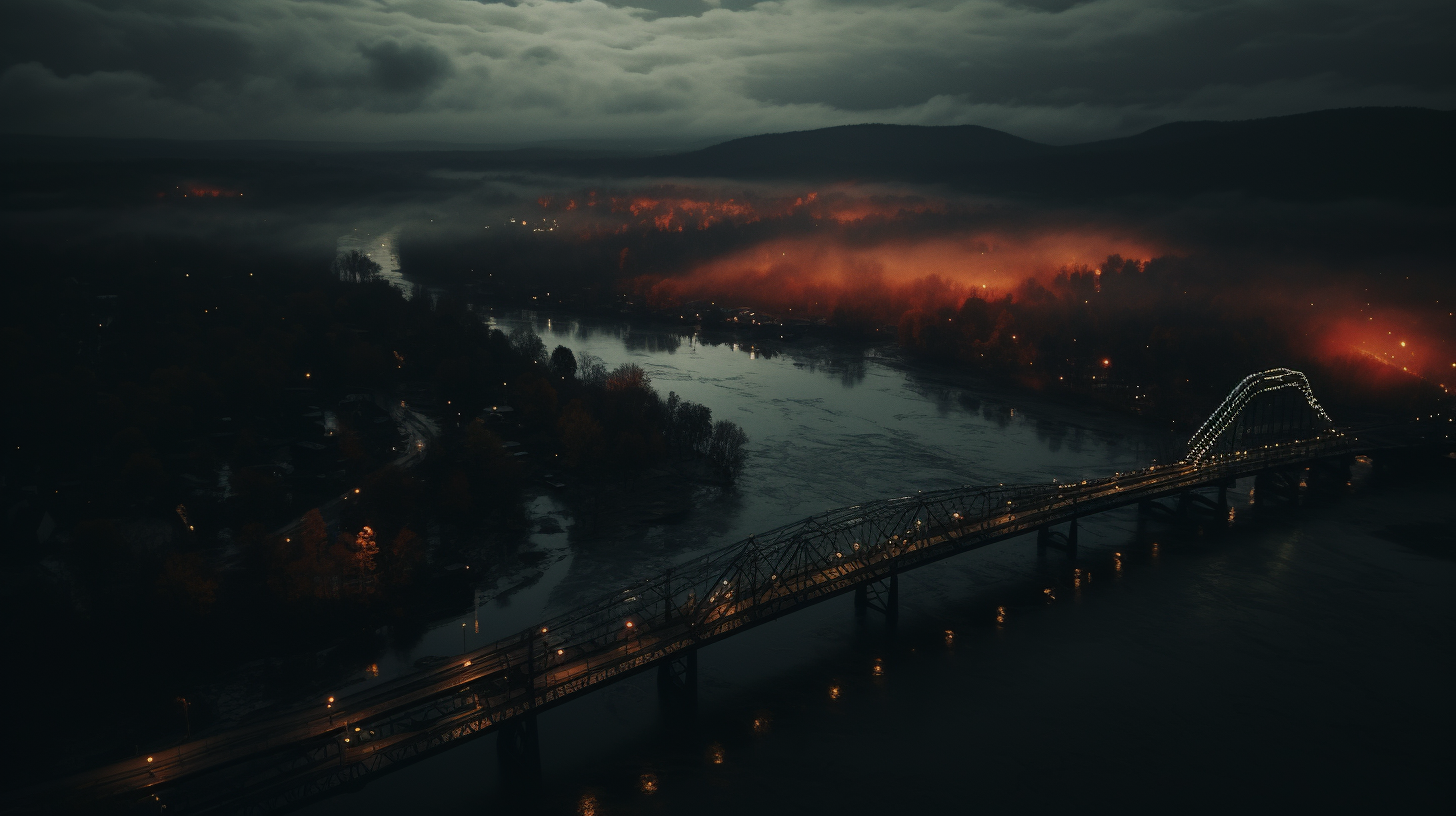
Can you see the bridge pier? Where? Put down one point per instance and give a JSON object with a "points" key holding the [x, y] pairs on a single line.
{"points": [[1330, 477], [518, 747], [881, 596], [677, 680], [1150, 507], [1277, 487], [1190, 503], [1188, 507], [1067, 543]]}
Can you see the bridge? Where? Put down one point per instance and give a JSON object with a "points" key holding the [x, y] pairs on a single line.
{"points": [[1270, 427]]}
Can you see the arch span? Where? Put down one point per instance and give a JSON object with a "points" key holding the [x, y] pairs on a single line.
{"points": [[1239, 417]]}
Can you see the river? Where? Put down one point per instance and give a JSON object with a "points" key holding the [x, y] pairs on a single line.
{"points": [[1293, 663]]}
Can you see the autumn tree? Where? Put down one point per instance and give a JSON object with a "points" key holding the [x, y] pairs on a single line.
{"points": [[366, 550], [628, 377], [406, 554], [580, 434], [188, 583]]}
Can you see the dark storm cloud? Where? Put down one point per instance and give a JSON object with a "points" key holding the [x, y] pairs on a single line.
{"points": [[1152, 56], [396, 68], [464, 70]]}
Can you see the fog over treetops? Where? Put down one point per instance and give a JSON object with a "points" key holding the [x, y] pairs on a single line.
{"points": [[1326, 230]]}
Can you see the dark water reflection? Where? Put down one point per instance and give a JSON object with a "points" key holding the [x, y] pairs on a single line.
{"points": [[1298, 663]]}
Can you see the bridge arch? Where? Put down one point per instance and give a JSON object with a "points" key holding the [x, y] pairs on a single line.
{"points": [[1268, 407]]}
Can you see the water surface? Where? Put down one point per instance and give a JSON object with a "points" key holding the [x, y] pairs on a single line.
{"points": [[1293, 663]]}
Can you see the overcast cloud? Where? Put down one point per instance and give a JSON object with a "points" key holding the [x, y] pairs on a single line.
{"points": [[460, 70]]}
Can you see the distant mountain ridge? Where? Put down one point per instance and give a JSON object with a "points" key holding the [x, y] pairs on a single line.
{"points": [[1382, 152], [1386, 153], [857, 148]]}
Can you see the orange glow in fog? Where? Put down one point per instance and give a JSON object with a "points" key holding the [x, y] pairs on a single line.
{"points": [[813, 276], [1394, 338], [672, 209]]}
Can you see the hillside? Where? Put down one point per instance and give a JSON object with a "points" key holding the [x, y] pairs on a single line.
{"points": [[1386, 153], [1358, 152]]}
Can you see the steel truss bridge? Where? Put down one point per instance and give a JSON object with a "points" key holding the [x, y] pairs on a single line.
{"points": [[1270, 424]]}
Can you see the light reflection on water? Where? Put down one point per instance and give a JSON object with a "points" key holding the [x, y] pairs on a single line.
{"points": [[830, 428], [382, 247], [832, 425]]}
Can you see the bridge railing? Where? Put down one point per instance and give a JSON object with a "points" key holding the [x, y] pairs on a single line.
{"points": [[695, 599]]}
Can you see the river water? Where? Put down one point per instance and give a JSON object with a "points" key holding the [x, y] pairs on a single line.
{"points": [[1297, 661]]}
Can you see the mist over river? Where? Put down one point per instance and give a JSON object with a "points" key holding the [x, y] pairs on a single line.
{"points": [[1300, 659]]}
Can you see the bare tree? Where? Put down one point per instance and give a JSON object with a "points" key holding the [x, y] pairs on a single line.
{"points": [[591, 370], [726, 451], [693, 424], [356, 267]]}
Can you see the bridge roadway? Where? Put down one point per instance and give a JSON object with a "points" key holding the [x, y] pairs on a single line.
{"points": [[302, 754]]}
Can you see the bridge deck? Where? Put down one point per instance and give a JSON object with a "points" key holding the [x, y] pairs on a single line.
{"points": [[301, 754]]}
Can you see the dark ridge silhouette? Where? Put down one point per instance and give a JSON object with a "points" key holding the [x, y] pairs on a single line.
{"points": [[855, 150], [1386, 153], [1354, 152]]}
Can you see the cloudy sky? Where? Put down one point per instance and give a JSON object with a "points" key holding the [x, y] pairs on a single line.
{"points": [[461, 70]]}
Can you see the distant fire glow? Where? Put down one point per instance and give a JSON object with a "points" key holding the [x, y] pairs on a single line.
{"points": [[672, 209], [198, 191], [897, 259], [814, 276]]}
